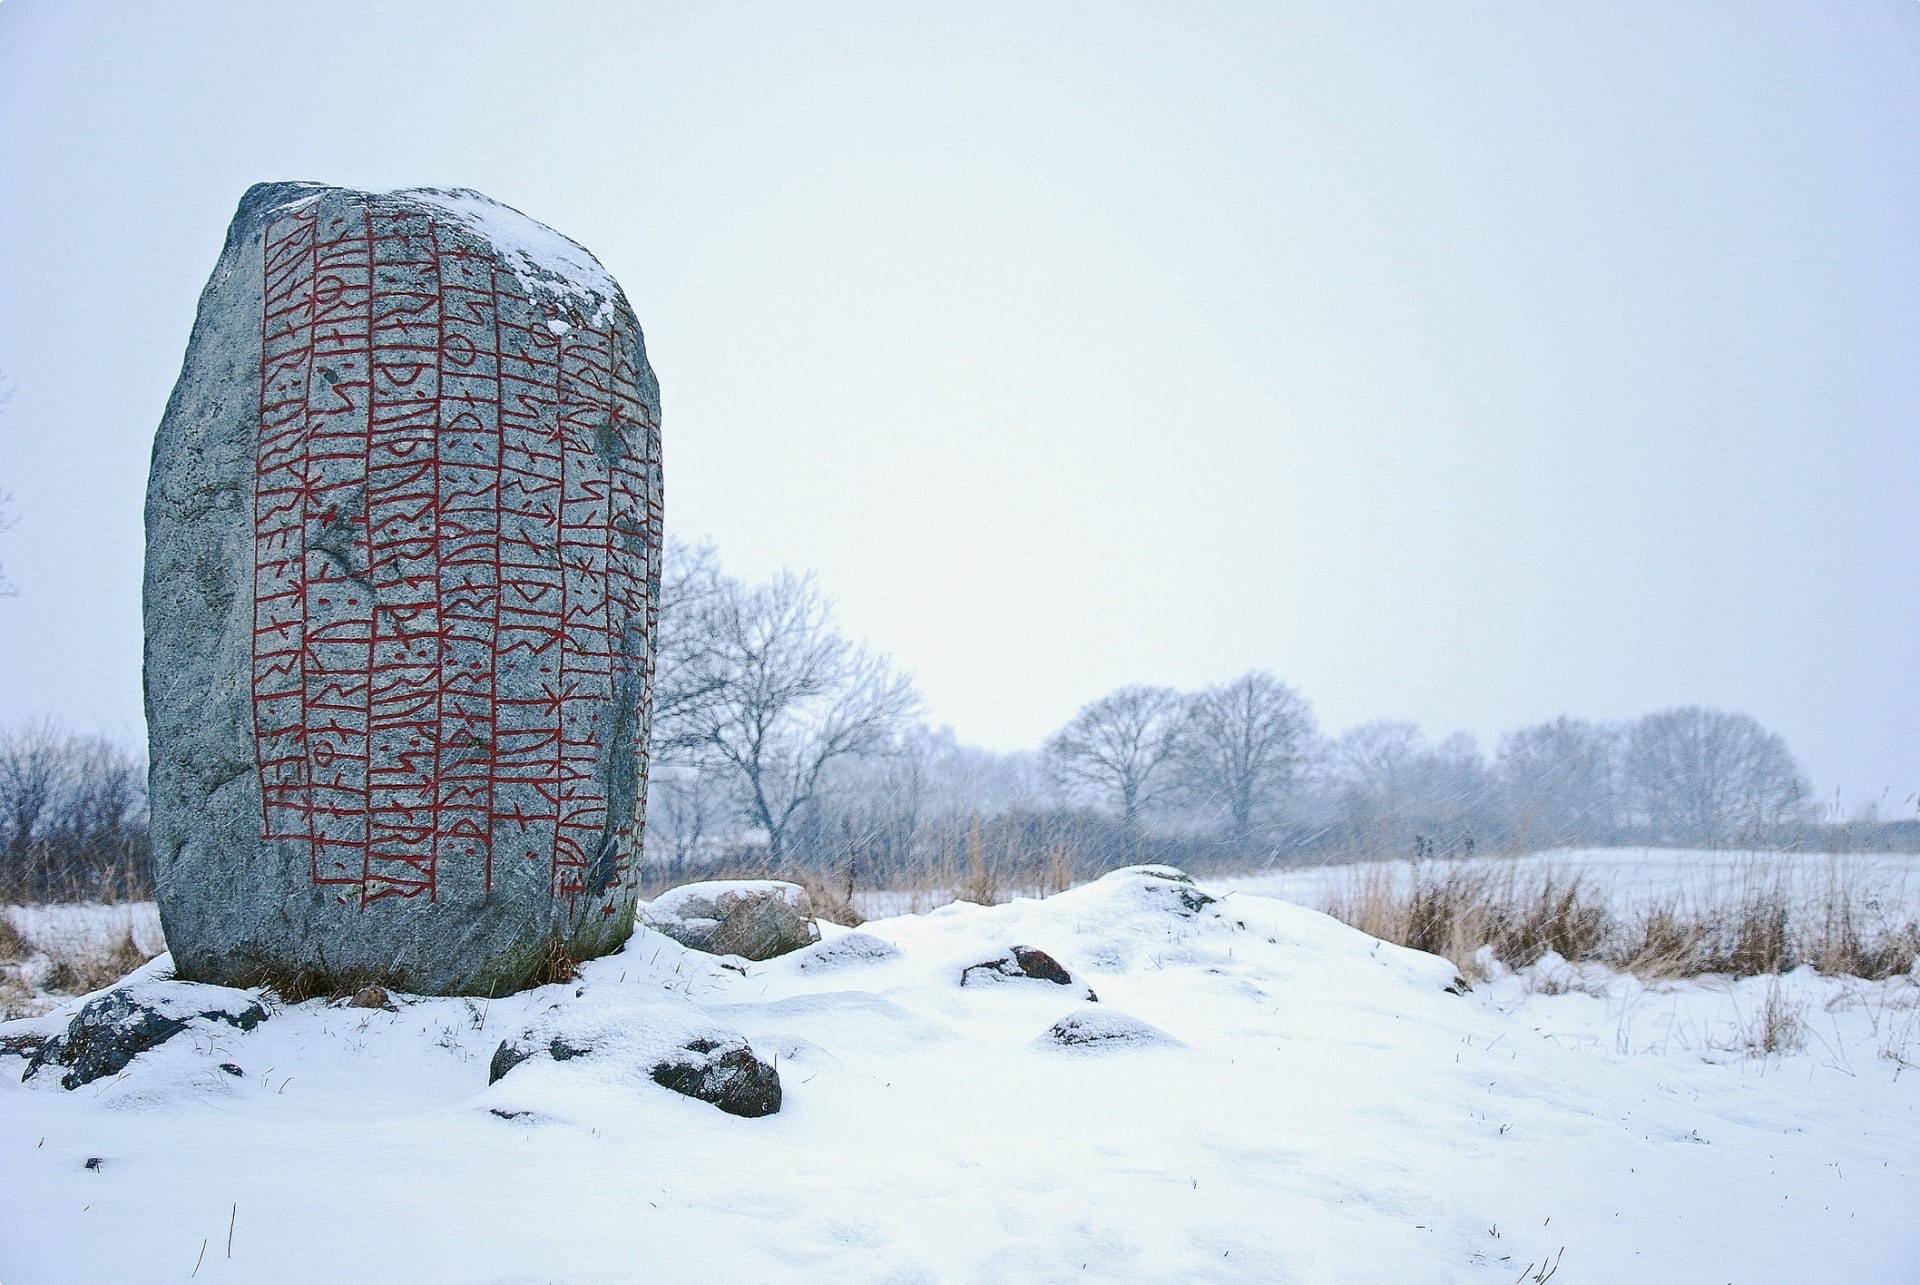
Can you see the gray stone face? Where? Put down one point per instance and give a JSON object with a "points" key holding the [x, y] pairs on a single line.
{"points": [[403, 532]]}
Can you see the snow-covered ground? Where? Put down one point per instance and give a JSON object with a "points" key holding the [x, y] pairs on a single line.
{"points": [[1323, 1109]]}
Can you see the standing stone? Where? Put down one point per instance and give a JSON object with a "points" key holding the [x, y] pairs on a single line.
{"points": [[403, 537]]}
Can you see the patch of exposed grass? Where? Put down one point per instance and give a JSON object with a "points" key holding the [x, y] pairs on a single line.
{"points": [[1762, 929], [80, 966], [14, 946], [1453, 911], [1779, 1027]]}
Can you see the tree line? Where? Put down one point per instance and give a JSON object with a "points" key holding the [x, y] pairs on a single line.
{"points": [[779, 742], [775, 735], [73, 817]]}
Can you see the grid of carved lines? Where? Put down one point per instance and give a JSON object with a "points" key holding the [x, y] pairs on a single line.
{"points": [[452, 561]]}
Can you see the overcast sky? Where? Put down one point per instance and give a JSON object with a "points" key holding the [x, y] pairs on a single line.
{"points": [[1464, 364]]}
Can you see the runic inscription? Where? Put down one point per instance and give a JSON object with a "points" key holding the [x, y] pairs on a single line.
{"points": [[454, 565]]}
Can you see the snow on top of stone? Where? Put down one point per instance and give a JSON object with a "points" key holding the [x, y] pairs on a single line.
{"points": [[545, 261], [694, 903]]}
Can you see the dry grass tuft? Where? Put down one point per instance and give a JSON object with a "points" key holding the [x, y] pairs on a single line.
{"points": [[1666, 942], [1779, 1027], [832, 900], [1453, 911], [557, 963], [80, 967], [17, 998], [1523, 913], [14, 946]]}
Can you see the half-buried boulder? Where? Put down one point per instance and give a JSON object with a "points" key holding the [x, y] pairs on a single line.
{"points": [[848, 951], [111, 1029], [635, 1041], [1021, 963], [1162, 888], [1101, 1031], [752, 918]]}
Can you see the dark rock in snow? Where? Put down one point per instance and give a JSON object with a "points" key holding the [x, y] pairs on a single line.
{"points": [[403, 528], [1021, 963], [752, 918], [25, 1044], [723, 1072], [1163, 887], [1104, 1030], [111, 1029], [714, 1066]]}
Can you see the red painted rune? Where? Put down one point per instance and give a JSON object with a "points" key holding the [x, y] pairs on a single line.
{"points": [[454, 545]]}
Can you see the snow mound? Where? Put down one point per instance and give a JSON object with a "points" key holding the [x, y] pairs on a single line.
{"points": [[1263, 1094], [1102, 1030], [846, 951]]}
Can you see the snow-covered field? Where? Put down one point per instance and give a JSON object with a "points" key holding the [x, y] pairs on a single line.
{"points": [[1322, 1108]]}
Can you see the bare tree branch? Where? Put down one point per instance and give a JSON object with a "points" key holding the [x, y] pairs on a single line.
{"points": [[1117, 746], [776, 696], [1244, 746]]}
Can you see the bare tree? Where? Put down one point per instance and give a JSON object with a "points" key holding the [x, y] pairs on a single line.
{"points": [[1393, 788], [1119, 746], [779, 697], [73, 815], [687, 806], [1373, 768], [35, 763], [686, 672], [1562, 780], [1244, 745], [1702, 775]]}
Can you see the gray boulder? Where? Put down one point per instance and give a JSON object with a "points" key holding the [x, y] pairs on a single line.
{"points": [[403, 531], [751, 918], [113, 1028]]}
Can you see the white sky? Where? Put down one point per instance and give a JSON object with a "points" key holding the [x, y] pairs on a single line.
{"points": [[1466, 364]]}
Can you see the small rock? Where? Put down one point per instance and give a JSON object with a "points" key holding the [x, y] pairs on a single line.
{"points": [[725, 1073], [1020, 963], [111, 1029], [232, 1069], [370, 997], [1104, 1030], [752, 918]]}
